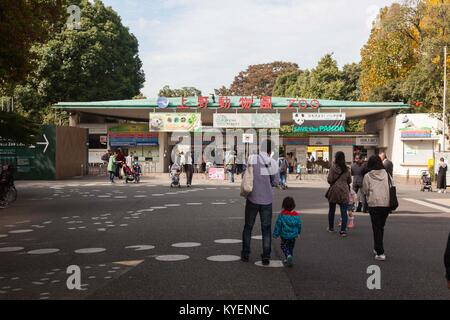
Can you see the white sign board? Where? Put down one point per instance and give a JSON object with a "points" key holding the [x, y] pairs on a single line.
{"points": [[247, 121], [367, 141], [313, 141], [247, 138]]}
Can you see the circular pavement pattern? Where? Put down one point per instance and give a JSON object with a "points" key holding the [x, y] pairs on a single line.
{"points": [[172, 258], [273, 264], [186, 245], [3, 235], [90, 250], [43, 251], [141, 247], [11, 249], [257, 237], [228, 241], [21, 231], [224, 258]]}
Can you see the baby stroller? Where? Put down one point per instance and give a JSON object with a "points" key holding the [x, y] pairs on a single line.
{"points": [[137, 172], [175, 172], [426, 182], [129, 174]]}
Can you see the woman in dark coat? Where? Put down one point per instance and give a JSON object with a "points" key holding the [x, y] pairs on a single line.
{"points": [[339, 179], [442, 176]]}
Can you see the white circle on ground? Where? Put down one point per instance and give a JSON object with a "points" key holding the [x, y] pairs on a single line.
{"points": [[20, 231], [141, 247], [3, 235], [90, 250], [173, 205], [186, 245], [257, 237], [172, 258], [11, 249], [159, 208], [224, 258], [228, 241], [273, 264], [43, 251]]}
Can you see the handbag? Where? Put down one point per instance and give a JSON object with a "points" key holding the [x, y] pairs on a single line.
{"points": [[331, 185], [393, 200], [247, 181]]}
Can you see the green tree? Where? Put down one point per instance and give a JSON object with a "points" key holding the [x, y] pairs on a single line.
{"points": [[15, 128], [22, 24], [285, 84], [167, 92], [98, 62]]}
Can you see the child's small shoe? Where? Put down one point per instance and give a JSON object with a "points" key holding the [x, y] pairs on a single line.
{"points": [[290, 261], [351, 223]]}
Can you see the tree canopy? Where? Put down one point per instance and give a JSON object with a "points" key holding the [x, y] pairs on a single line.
{"points": [[22, 24], [100, 61], [167, 92], [259, 79]]}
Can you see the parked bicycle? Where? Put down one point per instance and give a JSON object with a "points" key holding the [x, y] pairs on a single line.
{"points": [[8, 191]]}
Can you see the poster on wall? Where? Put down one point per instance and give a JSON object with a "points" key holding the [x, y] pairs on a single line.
{"points": [[247, 121], [175, 122], [319, 122], [216, 173]]}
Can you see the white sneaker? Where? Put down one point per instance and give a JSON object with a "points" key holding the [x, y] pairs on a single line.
{"points": [[381, 257]]}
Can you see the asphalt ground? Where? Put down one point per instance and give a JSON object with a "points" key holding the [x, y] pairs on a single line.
{"points": [[83, 214]]}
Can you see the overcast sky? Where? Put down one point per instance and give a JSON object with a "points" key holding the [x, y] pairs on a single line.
{"points": [[205, 43]]}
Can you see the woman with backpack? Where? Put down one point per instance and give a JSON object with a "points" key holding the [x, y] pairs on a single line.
{"points": [[376, 186], [339, 179]]}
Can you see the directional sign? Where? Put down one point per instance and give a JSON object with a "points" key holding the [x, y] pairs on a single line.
{"points": [[46, 143]]}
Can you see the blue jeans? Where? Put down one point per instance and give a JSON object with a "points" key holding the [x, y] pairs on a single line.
{"points": [[265, 212], [231, 175], [283, 178], [344, 216], [112, 174], [287, 246]]}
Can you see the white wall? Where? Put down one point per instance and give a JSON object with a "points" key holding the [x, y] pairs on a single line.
{"points": [[395, 146]]}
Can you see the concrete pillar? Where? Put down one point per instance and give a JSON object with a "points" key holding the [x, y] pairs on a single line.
{"points": [[163, 163], [74, 119]]}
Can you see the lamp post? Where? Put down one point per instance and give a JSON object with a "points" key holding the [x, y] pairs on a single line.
{"points": [[444, 118]]}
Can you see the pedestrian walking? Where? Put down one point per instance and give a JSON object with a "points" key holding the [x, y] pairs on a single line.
{"points": [[339, 179], [357, 171], [230, 165], [442, 176], [283, 165], [376, 187], [388, 165], [288, 227], [120, 160], [112, 166], [264, 170]]}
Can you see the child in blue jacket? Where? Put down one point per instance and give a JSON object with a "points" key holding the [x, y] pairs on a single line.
{"points": [[288, 227]]}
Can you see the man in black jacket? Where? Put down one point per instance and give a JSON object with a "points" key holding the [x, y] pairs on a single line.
{"points": [[447, 261]]}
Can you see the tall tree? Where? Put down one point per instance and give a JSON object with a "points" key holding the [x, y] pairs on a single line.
{"points": [[167, 92], [285, 84], [391, 50], [98, 62], [259, 80], [22, 24]]}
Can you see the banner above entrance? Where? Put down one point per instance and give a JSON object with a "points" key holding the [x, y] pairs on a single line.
{"points": [[319, 122], [175, 122], [247, 121]]}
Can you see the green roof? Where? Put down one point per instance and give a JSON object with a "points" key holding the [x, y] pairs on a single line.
{"points": [[192, 102]]}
